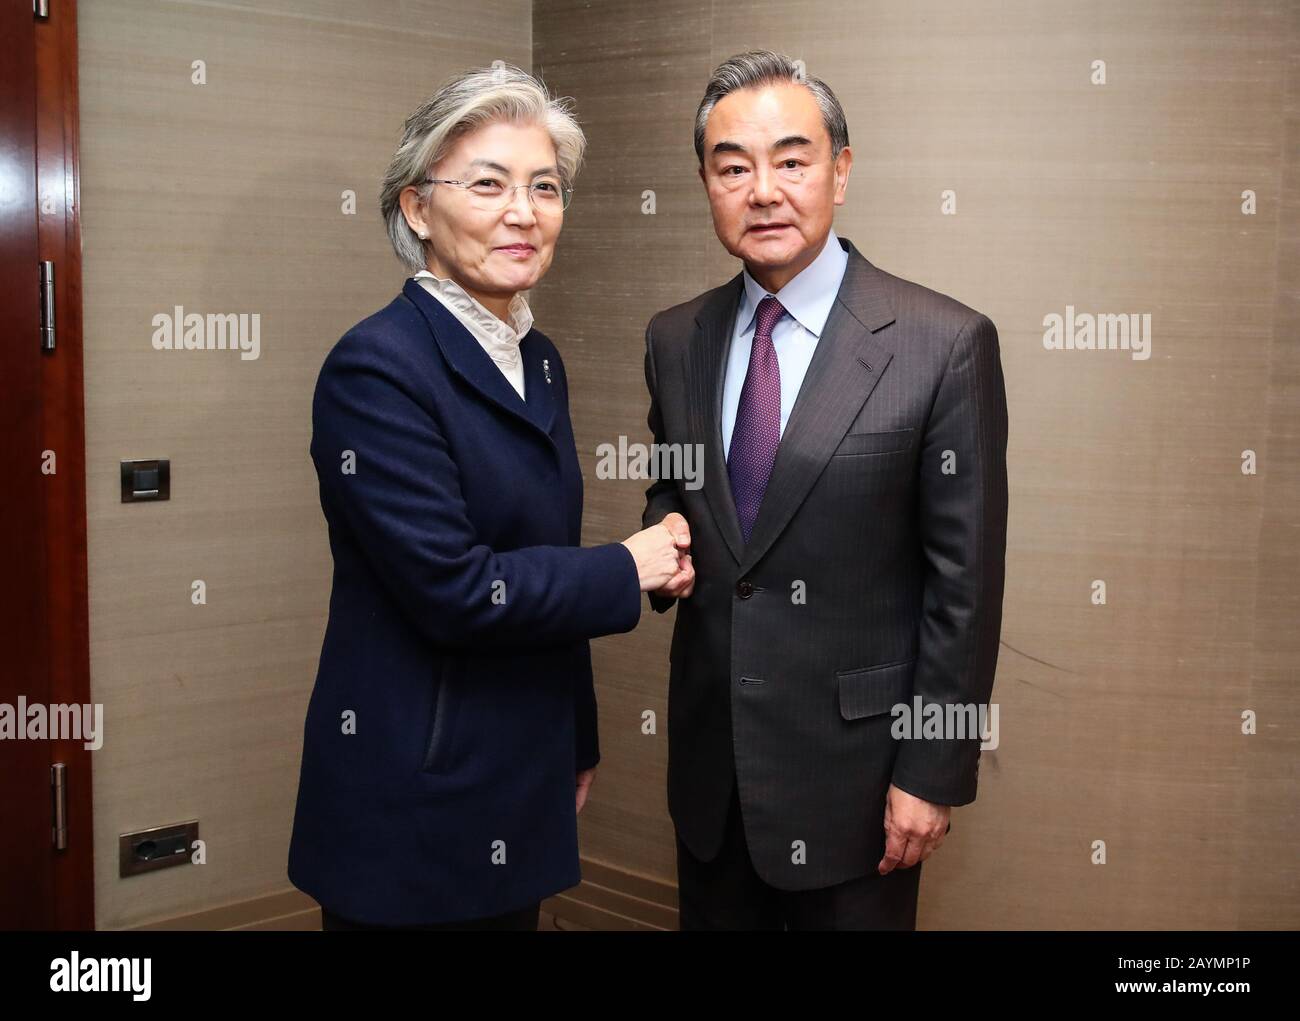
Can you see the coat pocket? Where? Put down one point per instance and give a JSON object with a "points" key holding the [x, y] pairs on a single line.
{"points": [[873, 690], [875, 443], [443, 721]]}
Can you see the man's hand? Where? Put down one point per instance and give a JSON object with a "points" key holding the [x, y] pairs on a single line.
{"points": [[584, 785], [914, 829], [682, 584]]}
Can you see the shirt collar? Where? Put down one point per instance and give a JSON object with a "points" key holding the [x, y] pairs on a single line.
{"points": [[505, 337], [809, 296]]}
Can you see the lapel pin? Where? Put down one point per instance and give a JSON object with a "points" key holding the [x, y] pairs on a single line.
{"points": [[546, 369]]}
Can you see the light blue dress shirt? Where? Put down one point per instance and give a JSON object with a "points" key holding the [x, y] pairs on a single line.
{"points": [[807, 300]]}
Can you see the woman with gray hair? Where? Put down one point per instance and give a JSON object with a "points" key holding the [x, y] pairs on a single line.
{"points": [[451, 735]]}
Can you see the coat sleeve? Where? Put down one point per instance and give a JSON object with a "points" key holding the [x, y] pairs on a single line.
{"points": [[402, 504], [586, 735], [662, 498], [962, 508], [586, 731]]}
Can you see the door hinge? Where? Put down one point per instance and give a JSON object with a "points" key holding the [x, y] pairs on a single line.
{"points": [[59, 803], [41, 8], [47, 306]]}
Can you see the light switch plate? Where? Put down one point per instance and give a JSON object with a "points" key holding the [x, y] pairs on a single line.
{"points": [[146, 479]]}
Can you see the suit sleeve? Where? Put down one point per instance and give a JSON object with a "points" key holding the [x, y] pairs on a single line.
{"points": [[962, 508], [662, 498], [402, 505]]}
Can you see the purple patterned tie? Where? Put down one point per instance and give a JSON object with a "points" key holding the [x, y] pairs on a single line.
{"points": [[757, 430]]}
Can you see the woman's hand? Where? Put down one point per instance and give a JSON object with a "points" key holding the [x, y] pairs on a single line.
{"points": [[655, 551], [584, 785]]}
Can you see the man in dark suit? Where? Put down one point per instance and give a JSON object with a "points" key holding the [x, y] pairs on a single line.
{"points": [[847, 546]]}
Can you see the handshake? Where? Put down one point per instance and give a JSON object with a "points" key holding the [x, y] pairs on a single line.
{"points": [[663, 559]]}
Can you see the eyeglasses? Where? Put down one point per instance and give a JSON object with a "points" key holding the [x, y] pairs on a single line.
{"points": [[547, 196]]}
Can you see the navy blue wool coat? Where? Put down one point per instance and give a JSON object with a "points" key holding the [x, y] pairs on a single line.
{"points": [[453, 705]]}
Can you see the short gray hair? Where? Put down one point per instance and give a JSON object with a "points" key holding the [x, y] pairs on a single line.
{"points": [[462, 104], [763, 67]]}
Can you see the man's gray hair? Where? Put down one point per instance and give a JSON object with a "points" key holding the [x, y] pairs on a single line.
{"points": [[763, 67], [468, 101]]}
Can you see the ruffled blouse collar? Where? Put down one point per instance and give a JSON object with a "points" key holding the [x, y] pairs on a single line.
{"points": [[502, 338]]}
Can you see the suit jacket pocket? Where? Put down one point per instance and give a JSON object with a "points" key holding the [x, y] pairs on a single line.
{"points": [[873, 690], [441, 726], [875, 443]]}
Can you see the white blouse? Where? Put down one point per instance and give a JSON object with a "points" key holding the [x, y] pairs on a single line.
{"points": [[499, 339]]}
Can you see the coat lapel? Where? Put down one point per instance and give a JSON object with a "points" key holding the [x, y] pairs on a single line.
{"points": [[848, 362], [469, 361], [708, 351], [539, 382]]}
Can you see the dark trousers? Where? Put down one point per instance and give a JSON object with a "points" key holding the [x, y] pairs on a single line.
{"points": [[523, 920], [727, 894]]}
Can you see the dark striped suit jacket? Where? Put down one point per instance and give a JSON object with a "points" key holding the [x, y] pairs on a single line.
{"points": [[874, 574]]}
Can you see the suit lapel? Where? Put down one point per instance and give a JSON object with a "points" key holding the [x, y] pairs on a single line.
{"points": [[705, 376], [848, 362], [468, 360]]}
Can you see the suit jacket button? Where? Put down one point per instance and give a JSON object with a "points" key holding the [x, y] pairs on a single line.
{"points": [[745, 589]]}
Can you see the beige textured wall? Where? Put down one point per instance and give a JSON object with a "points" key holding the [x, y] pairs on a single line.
{"points": [[1120, 722], [227, 197]]}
